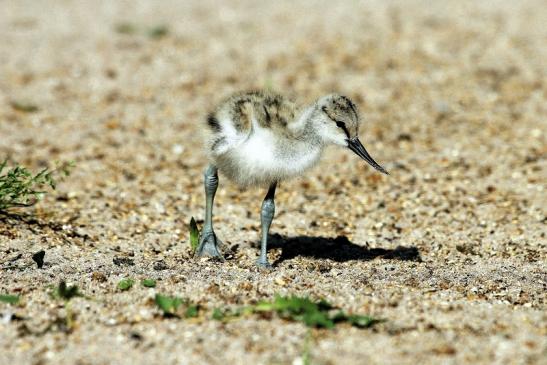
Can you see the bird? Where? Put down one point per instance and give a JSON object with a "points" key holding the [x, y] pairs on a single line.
{"points": [[260, 138]]}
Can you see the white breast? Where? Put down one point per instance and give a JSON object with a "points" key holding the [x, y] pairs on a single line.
{"points": [[264, 158]]}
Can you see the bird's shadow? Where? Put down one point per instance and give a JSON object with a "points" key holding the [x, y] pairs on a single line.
{"points": [[339, 249]]}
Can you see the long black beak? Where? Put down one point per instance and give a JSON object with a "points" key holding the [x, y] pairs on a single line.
{"points": [[356, 146]]}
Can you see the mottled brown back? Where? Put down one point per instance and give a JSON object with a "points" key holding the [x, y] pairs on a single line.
{"points": [[269, 109]]}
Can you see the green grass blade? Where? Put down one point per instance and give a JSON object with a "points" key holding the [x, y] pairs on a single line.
{"points": [[9, 299], [194, 235]]}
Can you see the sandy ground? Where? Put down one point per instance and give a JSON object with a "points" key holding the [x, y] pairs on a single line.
{"points": [[450, 248]]}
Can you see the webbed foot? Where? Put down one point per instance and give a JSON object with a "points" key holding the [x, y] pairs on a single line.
{"points": [[263, 264], [209, 246]]}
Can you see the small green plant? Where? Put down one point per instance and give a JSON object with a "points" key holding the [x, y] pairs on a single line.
{"points": [[226, 314], [313, 314], [125, 28], [171, 306], [158, 31], [66, 293], [319, 314], [125, 284], [194, 235], [154, 32], [218, 314], [148, 283], [20, 188], [192, 311], [24, 107], [167, 304], [9, 299]]}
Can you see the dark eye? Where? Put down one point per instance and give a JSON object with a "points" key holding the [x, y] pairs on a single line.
{"points": [[343, 126]]}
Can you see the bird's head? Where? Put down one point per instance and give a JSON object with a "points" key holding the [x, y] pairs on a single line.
{"points": [[337, 122]]}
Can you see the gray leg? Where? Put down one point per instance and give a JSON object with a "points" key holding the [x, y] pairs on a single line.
{"points": [[208, 242], [267, 214]]}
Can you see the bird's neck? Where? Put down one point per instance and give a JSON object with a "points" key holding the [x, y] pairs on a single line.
{"points": [[302, 126]]}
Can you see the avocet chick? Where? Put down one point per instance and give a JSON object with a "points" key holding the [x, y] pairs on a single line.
{"points": [[261, 138]]}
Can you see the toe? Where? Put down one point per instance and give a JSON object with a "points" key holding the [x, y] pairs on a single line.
{"points": [[209, 251], [263, 264], [209, 247]]}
